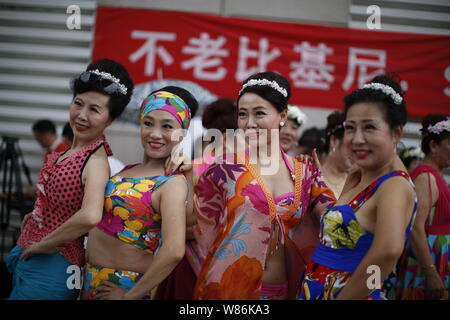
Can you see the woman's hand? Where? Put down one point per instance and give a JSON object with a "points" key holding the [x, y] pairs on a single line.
{"points": [[177, 161], [110, 291], [37, 248], [434, 287], [313, 158], [24, 221]]}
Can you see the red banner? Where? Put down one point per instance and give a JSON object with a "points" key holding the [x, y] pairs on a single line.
{"points": [[322, 63]]}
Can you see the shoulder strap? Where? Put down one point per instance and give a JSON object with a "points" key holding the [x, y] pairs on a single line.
{"points": [[365, 194], [160, 180]]}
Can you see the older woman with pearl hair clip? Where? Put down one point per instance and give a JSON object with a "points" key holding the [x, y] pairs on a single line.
{"points": [[363, 233], [70, 188]]}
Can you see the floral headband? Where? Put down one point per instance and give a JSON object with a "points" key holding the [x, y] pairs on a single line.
{"points": [[439, 127], [264, 82], [413, 153], [297, 115], [387, 90], [167, 101], [114, 87]]}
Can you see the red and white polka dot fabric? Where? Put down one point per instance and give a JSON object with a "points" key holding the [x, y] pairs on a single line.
{"points": [[60, 195]]}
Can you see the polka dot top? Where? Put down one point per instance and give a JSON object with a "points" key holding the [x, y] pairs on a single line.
{"points": [[59, 196]]}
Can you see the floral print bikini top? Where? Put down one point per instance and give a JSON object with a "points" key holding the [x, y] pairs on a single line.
{"points": [[343, 241], [128, 213]]}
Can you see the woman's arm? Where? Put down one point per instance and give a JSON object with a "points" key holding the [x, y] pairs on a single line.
{"points": [[179, 162], [426, 197], [394, 205], [173, 217], [96, 173], [190, 215]]}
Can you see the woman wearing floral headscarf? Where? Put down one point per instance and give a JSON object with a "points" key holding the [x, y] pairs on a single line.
{"points": [[141, 235]]}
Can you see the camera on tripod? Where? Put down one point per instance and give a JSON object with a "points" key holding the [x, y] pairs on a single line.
{"points": [[12, 164]]}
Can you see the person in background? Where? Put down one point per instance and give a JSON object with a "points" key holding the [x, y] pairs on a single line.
{"points": [[368, 225], [290, 132], [424, 270], [44, 132], [220, 115], [312, 138], [70, 188], [411, 157], [67, 133], [337, 163]]}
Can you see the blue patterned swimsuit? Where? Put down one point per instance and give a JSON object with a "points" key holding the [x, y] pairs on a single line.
{"points": [[343, 245]]}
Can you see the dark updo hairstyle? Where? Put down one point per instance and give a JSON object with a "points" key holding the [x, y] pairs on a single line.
{"points": [[268, 93], [117, 101], [427, 136], [408, 155], [394, 114], [220, 114], [312, 138], [187, 97], [335, 127]]}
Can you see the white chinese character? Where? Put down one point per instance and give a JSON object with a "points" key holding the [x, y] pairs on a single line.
{"points": [[151, 50], [311, 71], [356, 62], [262, 55], [204, 48]]}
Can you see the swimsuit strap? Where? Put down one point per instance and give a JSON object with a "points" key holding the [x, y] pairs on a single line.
{"points": [[365, 194]]}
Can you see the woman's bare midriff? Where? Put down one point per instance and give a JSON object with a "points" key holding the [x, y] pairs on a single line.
{"points": [[109, 252], [275, 270]]}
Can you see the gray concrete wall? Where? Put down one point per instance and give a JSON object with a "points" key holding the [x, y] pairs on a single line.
{"points": [[329, 12]]}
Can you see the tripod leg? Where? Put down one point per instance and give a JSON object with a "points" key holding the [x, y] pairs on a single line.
{"points": [[4, 207]]}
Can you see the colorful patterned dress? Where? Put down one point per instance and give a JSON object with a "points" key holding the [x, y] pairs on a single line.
{"points": [[343, 245], [130, 217], [411, 276], [237, 218]]}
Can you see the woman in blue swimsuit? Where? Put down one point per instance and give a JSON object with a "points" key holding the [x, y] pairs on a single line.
{"points": [[362, 235]]}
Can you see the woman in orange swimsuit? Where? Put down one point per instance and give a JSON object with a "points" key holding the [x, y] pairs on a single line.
{"points": [[141, 236]]}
